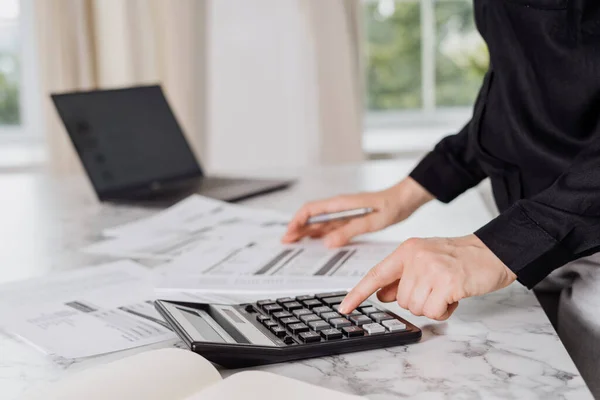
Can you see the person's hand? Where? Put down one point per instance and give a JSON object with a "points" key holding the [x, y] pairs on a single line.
{"points": [[430, 276], [391, 206]]}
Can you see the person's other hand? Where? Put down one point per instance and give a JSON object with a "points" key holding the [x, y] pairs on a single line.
{"points": [[391, 206], [430, 276]]}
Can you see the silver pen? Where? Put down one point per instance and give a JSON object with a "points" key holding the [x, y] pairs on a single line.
{"points": [[335, 216]]}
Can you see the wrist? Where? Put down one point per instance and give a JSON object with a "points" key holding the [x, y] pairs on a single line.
{"points": [[411, 194], [508, 276]]}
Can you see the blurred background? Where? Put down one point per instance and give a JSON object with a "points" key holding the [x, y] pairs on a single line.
{"points": [[255, 83]]}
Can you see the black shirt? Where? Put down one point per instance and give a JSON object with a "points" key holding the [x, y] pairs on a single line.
{"points": [[535, 132]]}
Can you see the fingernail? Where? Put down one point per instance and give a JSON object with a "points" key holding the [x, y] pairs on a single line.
{"points": [[342, 308]]}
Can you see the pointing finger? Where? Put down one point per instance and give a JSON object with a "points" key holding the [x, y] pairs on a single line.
{"points": [[384, 273]]}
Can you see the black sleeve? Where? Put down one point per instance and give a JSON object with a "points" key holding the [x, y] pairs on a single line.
{"points": [[450, 169], [558, 225]]}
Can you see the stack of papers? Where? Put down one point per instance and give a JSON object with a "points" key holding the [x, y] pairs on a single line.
{"points": [[210, 251], [86, 312]]}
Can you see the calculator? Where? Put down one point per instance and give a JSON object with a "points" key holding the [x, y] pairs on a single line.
{"points": [[285, 329]]}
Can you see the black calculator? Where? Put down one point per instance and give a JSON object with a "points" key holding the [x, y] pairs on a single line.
{"points": [[285, 329]]}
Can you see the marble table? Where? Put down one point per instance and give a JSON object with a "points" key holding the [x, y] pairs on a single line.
{"points": [[497, 346]]}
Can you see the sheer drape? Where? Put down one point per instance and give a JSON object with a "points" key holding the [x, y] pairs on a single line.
{"points": [[254, 83]]}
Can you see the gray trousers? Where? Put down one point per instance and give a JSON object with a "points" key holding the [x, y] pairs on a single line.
{"points": [[576, 314]]}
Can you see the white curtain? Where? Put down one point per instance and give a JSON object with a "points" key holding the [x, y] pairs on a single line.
{"points": [[255, 83], [285, 83], [88, 44]]}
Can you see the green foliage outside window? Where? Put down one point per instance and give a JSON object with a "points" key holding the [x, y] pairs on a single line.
{"points": [[9, 93], [394, 55]]}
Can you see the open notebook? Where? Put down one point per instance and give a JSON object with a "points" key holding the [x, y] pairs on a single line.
{"points": [[172, 374]]}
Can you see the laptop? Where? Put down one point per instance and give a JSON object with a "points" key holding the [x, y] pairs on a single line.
{"points": [[133, 149]]}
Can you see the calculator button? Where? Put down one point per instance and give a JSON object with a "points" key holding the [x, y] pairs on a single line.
{"points": [[365, 304], [264, 302], [292, 305], [288, 340], [355, 312], [331, 334], [374, 329], [309, 337], [272, 308], [393, 325], [318, 325], [278, 331], [261, 318], [321, 310], [312, 303], [306, 318], [281, 314], [330, 315], [284, 300], [369, 310], [303, 298], [353, 331], [249, 308], [331, 294], [302, 311], [298, 328], [360, 320], [330, 301], [270, 323], [290, 320], [339, 322], [380, 316]]}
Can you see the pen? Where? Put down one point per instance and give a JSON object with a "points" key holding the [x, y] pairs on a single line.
{"points": [[335, 216]]}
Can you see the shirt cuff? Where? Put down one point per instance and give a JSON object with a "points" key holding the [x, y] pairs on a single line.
{"points": [[441, 177], [523, 246]]}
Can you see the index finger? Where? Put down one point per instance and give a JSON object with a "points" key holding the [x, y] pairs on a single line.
{"points": [[384, 273]]}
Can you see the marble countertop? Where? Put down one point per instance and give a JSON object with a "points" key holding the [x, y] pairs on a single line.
{"points": [[497, 346]]}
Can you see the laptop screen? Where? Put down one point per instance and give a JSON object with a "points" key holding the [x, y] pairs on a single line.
{"points": [[126, 138]]}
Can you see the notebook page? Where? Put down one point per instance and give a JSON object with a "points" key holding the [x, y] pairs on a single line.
{"points": [[165, 374], [250, 385]]}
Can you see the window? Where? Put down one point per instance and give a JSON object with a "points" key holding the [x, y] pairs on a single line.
{"points": [[9, 63], [425, 64], [20, 102]]}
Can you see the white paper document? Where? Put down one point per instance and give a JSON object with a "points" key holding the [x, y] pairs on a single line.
{"points": [[198, 214], [148, 247], [86, 312], [187, 224]]}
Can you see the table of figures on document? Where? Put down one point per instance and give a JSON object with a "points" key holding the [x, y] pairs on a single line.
{"points": [[309, 258]]}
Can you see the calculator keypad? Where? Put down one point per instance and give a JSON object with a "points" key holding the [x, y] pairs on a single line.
{"points": [[314, 319]]}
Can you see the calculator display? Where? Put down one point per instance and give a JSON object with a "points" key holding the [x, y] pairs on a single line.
{"points": [[219, 324], [200, 321]]}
